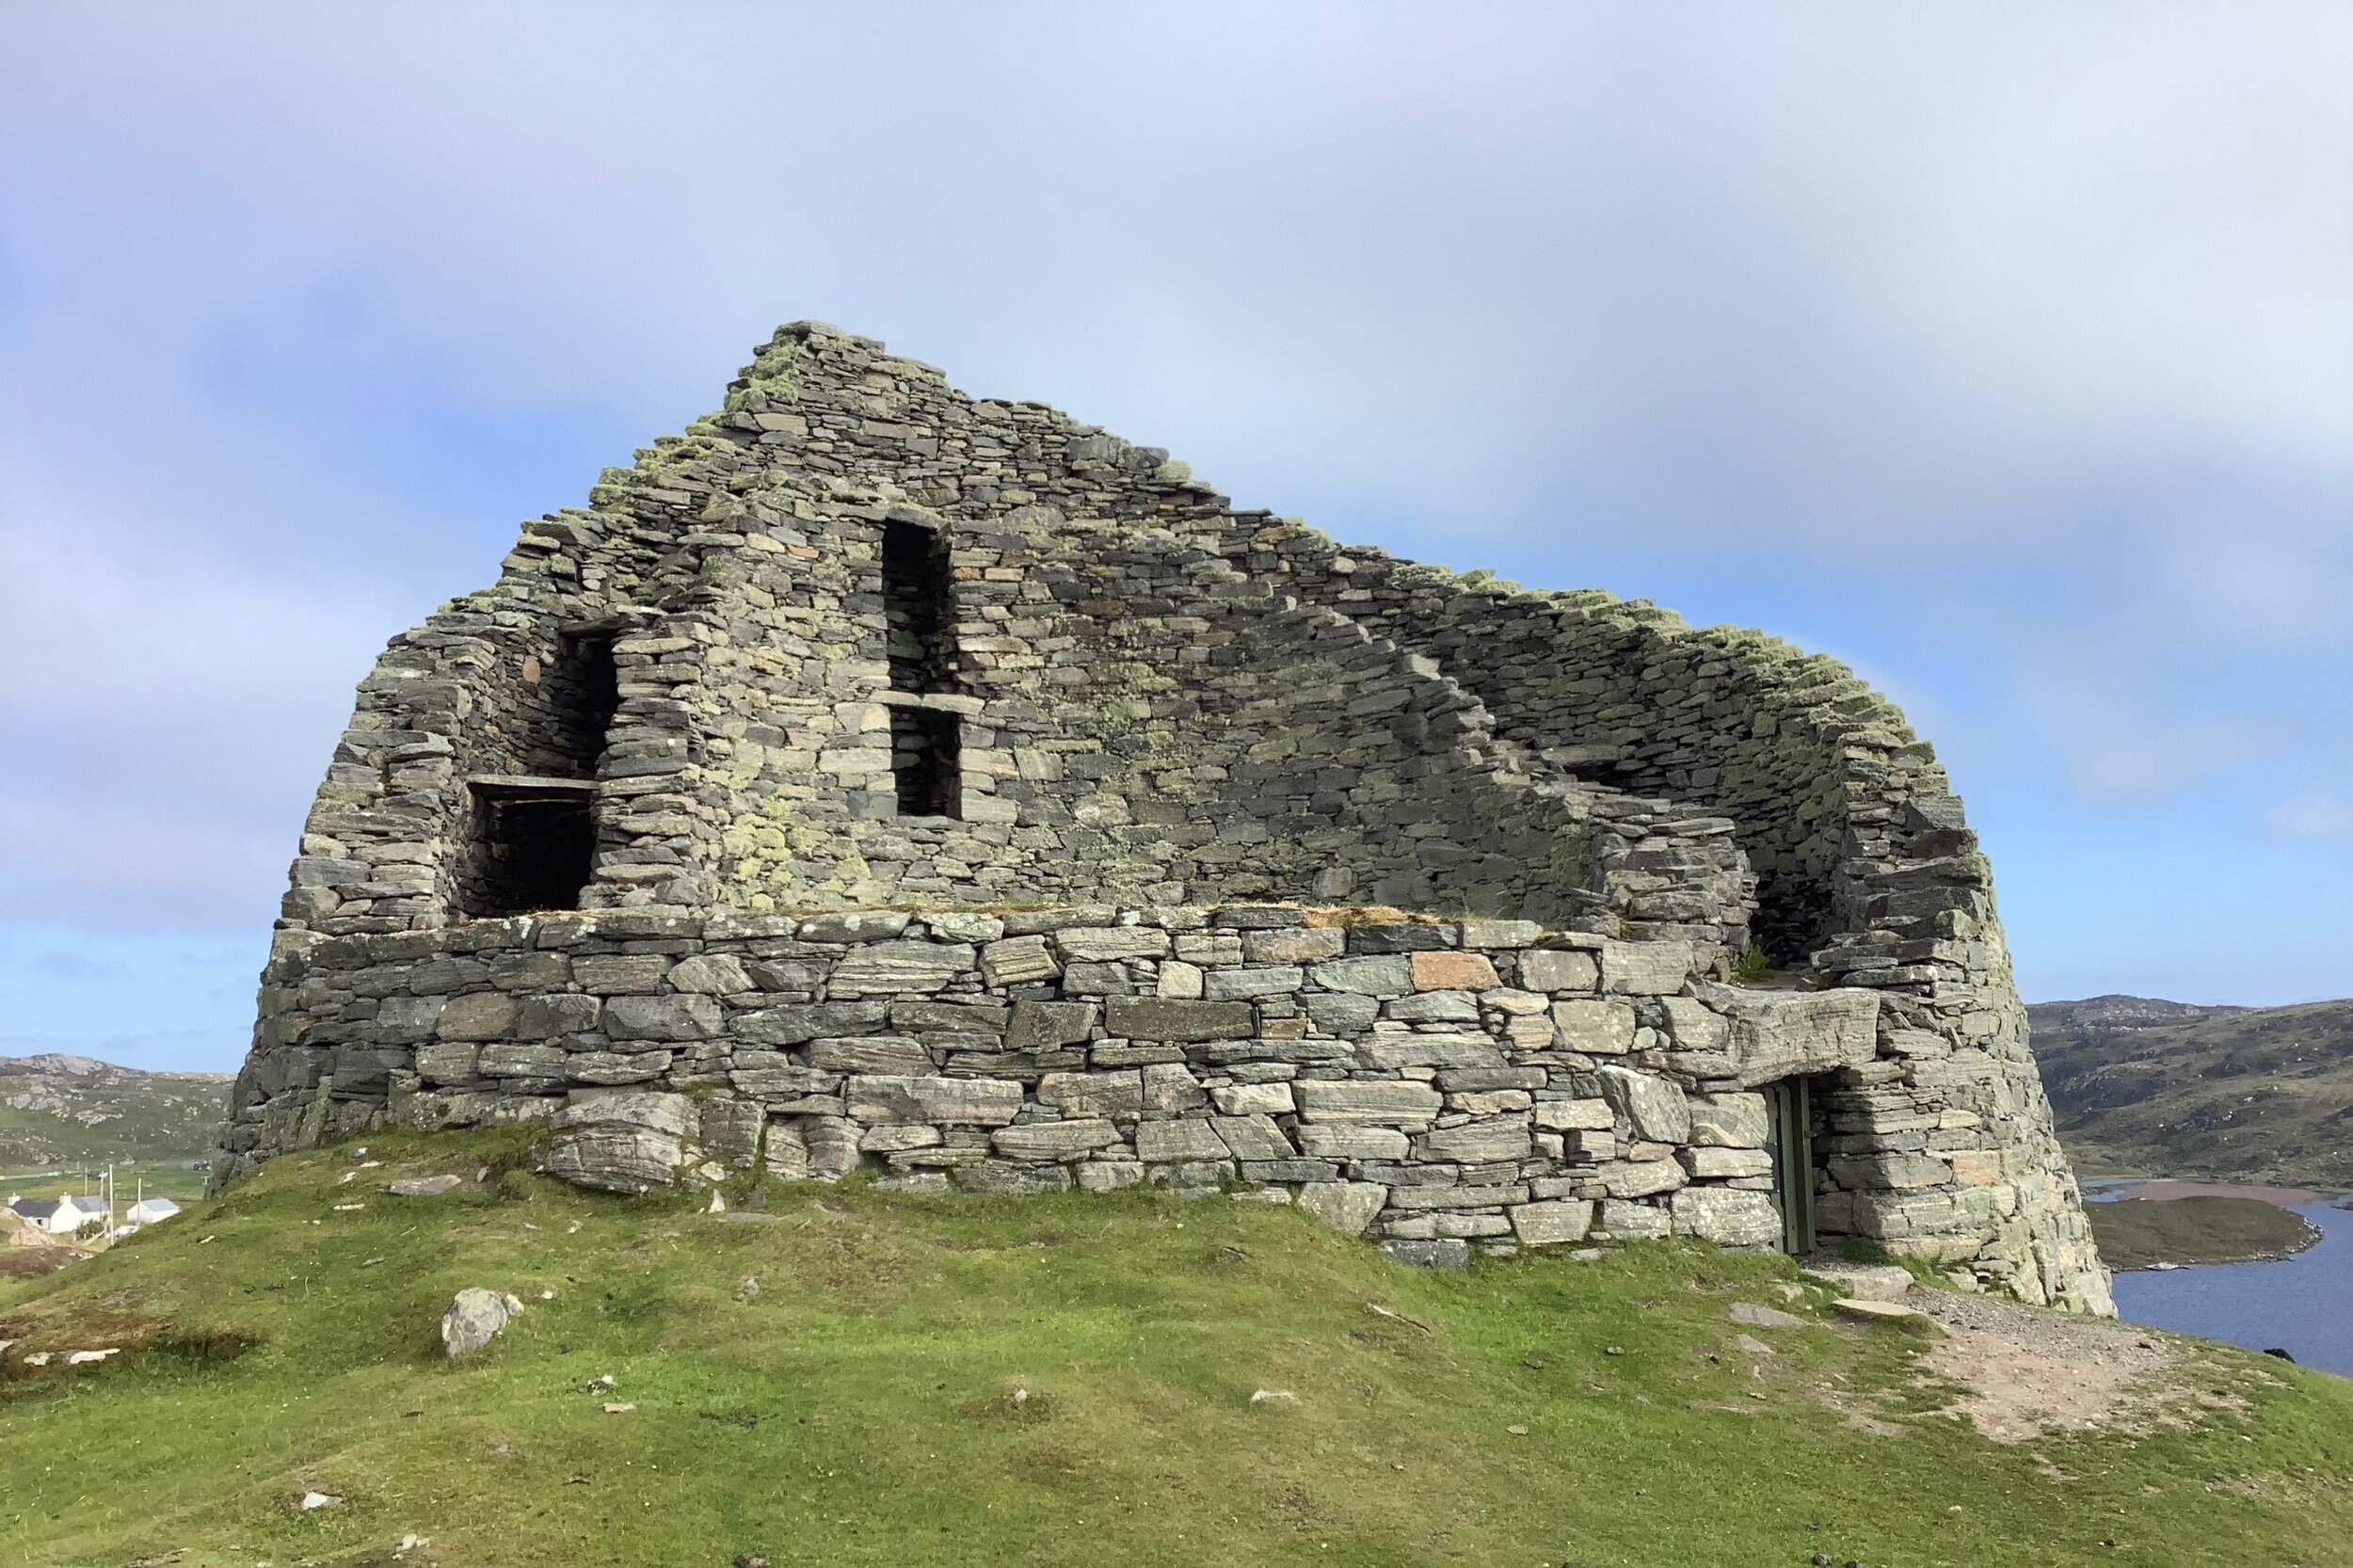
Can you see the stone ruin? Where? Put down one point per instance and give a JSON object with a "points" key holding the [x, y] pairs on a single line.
{"points": [[877, 777]]}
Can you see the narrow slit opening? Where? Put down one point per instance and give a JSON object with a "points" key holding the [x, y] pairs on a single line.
{"points": [[585, 691], [926, 761], [918, 607]]}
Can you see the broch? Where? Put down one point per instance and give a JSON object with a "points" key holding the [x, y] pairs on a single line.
{"points": [[874, 775]]}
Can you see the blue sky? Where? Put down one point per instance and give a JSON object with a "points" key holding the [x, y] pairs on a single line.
{"points": [[2005, 352]]}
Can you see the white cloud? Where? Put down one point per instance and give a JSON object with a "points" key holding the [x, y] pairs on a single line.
{"points": [[166, 716], [2316, 816], [2025, 326]]}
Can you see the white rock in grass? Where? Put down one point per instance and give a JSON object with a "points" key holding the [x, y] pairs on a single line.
{"points": [[474, 1319]]}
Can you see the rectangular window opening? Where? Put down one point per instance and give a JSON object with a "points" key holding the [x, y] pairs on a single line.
{"points": [[532, 835], [926, 762], [918, 607], [535, 845]]}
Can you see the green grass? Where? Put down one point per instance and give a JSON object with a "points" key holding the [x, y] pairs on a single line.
{"points": [[858, 1407]]}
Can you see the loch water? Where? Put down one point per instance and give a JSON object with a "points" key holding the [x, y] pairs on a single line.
{"points": [[2301, 1304]]}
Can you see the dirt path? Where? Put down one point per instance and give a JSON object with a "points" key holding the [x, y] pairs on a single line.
{"points": [[2028, 1372]]}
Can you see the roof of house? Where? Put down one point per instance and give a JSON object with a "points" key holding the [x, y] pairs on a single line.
{"points": [[42, 1209]]}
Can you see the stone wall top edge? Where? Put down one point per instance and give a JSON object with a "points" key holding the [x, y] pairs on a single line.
{"points": [[1782, 663], [951, 921], [1812, 689], [1774, 658], [1811, 683], [704, 437]]}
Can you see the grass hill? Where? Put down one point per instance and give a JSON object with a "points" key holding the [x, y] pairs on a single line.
{"points": [[71, 1114], [859, 1377], [2141, 1087]]}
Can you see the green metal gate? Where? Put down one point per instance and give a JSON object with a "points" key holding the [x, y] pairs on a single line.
{"points": [[1792, 1109]]}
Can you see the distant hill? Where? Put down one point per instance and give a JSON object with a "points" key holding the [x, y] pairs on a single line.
{"points": [[2142, 1087], [71, 1111]]}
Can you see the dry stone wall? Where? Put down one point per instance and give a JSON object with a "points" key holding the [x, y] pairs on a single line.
{"points": [[1866, 871], [1135, 724], [1434, 1085], [1157, 701]]}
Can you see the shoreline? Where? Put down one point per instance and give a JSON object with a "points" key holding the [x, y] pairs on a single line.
{"points": [[2171, 1190]]}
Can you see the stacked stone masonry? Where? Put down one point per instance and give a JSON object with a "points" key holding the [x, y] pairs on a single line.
{"points": [[700, 718]]}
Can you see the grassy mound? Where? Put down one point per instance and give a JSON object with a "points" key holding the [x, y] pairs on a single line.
{"points": [[2136, 1233], [859, 1377]]}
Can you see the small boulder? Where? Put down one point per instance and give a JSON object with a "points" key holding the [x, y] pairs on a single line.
{"points": [[621, 1139], [422, 1187], [1863, 1282], [474, 1319], [1749, 1315], [1856, 1306], [1444, 1252]]}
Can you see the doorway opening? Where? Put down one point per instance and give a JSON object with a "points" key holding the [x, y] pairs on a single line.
{"points": [[918, 607], [1789, 1104], [926, 762]]}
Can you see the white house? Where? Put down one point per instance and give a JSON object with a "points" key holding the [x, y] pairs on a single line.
{"points": [[148, 1211], [60, 1216]]}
